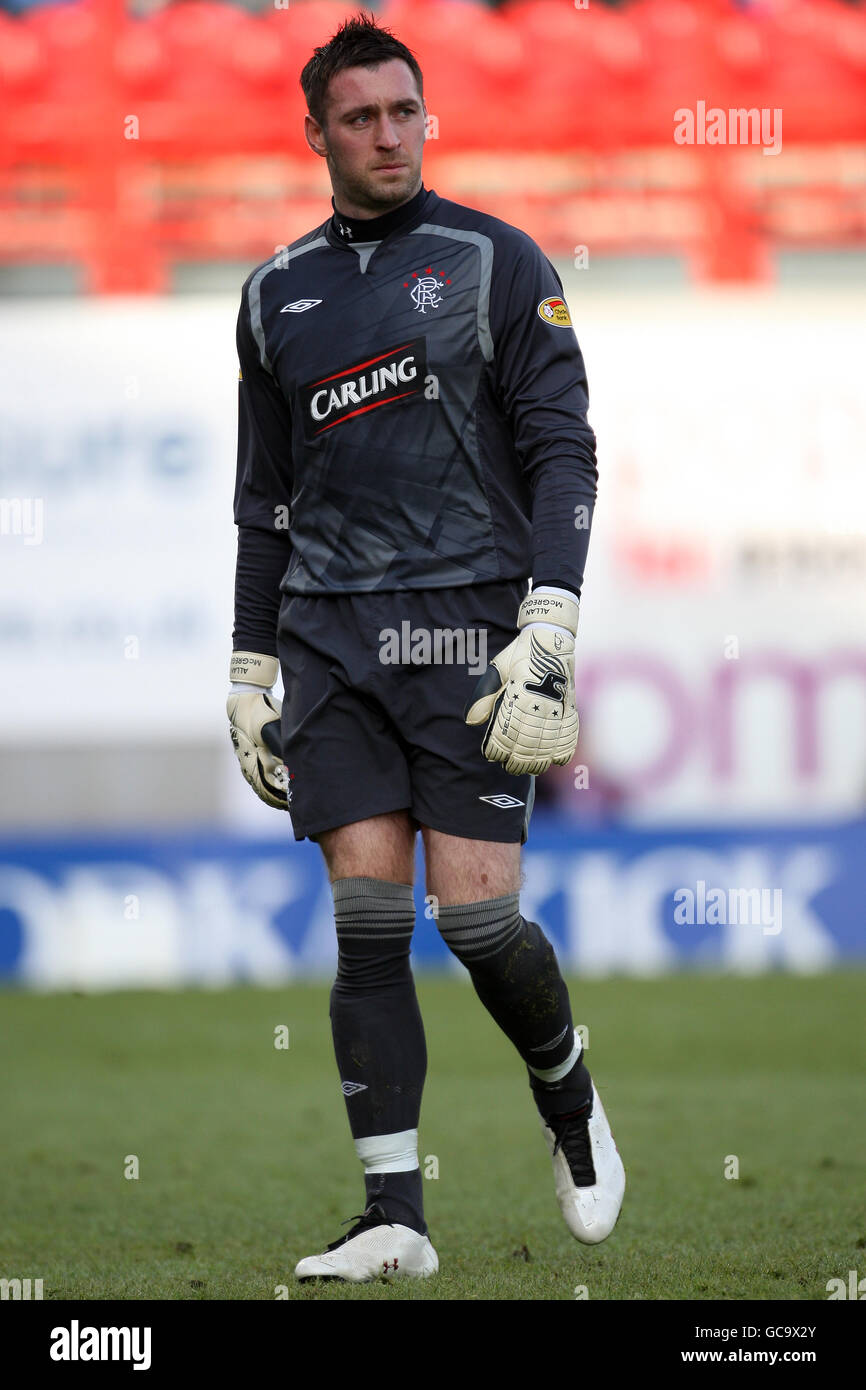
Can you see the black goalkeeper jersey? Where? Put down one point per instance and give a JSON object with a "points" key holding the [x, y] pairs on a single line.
{"points": [[412, 414]]}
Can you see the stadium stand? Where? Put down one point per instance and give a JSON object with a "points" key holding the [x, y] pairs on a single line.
{"points": [[132, 143]]}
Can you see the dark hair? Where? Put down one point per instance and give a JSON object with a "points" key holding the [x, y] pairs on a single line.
{"points": [[358, 43]]}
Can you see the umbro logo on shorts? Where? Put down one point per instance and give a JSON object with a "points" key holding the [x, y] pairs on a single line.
{"points": [[502, 800], [351, 1088]]}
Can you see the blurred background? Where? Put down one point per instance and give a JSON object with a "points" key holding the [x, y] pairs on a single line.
{"points": [[150, 156]]}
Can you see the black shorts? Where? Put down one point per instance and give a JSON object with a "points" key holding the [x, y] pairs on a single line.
{"points": [[375, 689]]}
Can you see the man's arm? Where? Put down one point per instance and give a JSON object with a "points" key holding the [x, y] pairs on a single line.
{"points": [[262, 496], [526, 697], [541, 381], [261, 509]]}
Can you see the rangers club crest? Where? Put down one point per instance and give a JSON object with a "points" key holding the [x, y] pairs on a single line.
{"points": [[425, 287]]}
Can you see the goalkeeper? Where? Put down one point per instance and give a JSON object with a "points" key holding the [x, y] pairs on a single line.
{"points": [[413, 448]]}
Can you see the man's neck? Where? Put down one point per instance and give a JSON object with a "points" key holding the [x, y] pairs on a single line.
{"points": [[374, 228]]}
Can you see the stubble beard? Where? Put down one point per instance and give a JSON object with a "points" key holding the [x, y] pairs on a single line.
{"points": [[375, 195]]}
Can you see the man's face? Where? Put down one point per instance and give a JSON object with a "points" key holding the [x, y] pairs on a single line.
{"points": [[373, 139]]}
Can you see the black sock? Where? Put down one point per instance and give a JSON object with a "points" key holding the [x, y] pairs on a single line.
{"points": [[400, 1196], [514, 970], [379, 1036], [563, 1097]]}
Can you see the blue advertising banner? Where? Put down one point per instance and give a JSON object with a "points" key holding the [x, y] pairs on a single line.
{"points": [[210, 910]]}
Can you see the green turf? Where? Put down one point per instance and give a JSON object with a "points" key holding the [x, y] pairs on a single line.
{"points": [[246, 1164]]}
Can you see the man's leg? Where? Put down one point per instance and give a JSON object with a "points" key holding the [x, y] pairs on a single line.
{"points": [[515, 973], [512, 965], [376, 1023]]}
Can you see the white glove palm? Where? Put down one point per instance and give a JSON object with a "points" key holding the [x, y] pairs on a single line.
{"points": [[527, 692]]}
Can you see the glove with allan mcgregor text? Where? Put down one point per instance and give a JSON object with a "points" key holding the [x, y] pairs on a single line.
{"points": [[526, 695], [254, 722]]}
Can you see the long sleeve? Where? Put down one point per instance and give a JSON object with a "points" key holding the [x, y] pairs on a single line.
{"points": [[262, 500], [542, 384], [262, 561]]}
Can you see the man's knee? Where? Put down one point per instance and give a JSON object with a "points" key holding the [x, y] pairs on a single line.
{"points": [[375, 920], [381, 847], [461, 871], [487, 935]]}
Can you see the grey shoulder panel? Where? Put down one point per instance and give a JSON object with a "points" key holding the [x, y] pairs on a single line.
{"points": [[278, 262], [485, 248]]}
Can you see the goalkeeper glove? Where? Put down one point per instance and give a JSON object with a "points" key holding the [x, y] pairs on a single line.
{"points": [[526, 695], [254, 722]]}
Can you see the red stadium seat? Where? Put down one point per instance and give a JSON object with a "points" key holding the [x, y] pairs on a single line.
{"points": [[556, 117]]}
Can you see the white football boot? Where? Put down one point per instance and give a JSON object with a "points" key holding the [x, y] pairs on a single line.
{"points": [[373, 1249], [588, 1172]]}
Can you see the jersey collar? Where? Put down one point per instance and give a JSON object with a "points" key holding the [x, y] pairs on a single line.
{"points": [[343, 231]]}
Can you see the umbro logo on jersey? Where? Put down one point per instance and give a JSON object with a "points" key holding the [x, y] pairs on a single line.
{"points": [[363, 386], [351, 1088], [502, 800], [300, 306]]}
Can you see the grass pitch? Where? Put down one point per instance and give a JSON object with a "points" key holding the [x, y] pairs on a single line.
{"points": [[245, 1162]]}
